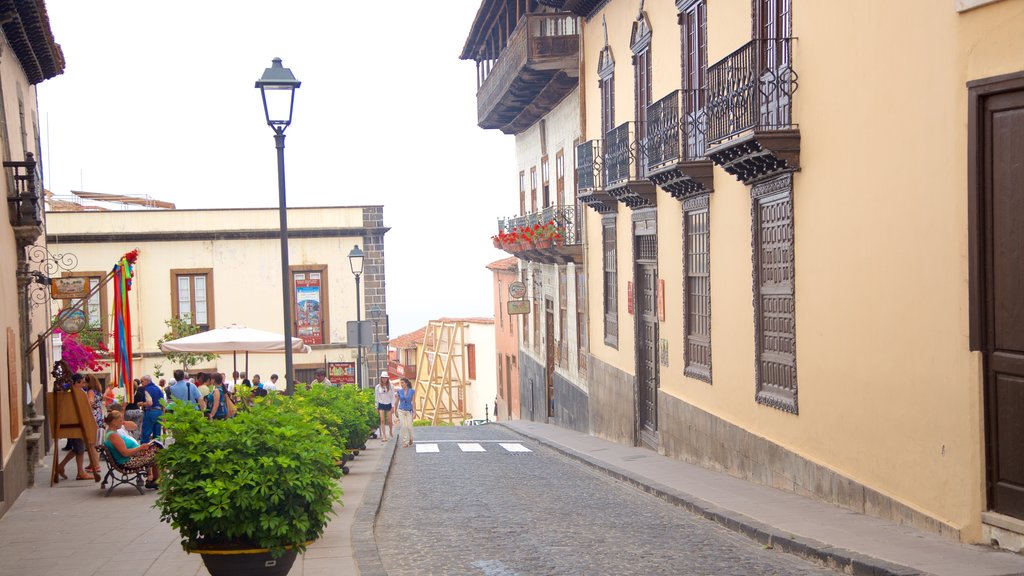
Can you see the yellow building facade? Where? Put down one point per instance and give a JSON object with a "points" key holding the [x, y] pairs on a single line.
{"points": [[223, 267], [803, 247]]}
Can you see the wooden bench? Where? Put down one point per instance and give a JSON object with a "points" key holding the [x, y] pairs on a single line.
{"points": [[118, 474]]}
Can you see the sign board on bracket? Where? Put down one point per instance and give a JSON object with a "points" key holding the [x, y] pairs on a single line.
{"points": [[518, 306], [517, 290], [69, 287]]}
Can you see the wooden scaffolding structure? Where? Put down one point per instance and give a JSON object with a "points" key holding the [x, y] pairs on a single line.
{"points": [[440, 369]]}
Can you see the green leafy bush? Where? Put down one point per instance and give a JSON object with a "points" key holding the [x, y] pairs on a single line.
{"points": [[264, 479], [347, 413]]}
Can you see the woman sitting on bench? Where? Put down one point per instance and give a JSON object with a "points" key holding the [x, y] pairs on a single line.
{"points": [[127, 452]]}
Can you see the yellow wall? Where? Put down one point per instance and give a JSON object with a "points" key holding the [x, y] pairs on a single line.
{"points": [[889, 394], [246, 273]]}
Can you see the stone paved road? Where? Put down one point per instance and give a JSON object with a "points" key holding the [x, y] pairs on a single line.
{"points": [[502, 513]]}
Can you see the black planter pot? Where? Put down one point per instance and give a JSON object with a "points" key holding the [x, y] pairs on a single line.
{"points": [[254, 562]]}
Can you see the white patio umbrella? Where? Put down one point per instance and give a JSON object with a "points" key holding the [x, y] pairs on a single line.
{"points": [[233, 338]]}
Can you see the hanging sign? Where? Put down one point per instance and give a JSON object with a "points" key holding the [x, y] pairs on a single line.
{"points": [[71, 321], [518, 306], [71, 287], [517, 290]]}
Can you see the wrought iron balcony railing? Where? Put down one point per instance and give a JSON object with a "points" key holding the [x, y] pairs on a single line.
{"points": [[676, 129], [569, 220], [752, 88], [25, 206], [623, 155], [588, 166]]}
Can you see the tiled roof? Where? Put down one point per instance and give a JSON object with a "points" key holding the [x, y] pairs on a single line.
{"points": [[510, 263], [409, 340]]}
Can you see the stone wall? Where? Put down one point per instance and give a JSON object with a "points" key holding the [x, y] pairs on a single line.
{"points": [[532, 396], [612, 402], [572, 406], [374, 284], [698, 437]]}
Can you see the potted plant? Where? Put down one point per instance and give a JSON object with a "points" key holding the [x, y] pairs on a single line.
{"points": [[248, 493]]}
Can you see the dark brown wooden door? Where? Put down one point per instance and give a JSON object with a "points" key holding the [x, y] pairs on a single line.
{"points": [[549, 360], [1003, 230], [647, 350]]}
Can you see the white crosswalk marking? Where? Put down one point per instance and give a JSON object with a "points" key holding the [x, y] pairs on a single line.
{"points": [[471, 447], [427, 448], [514, 447]]}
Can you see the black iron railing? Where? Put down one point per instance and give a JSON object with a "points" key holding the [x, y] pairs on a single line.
{"points": [[751, 88], [569, 220], [588, 166], [25, 207], [676, 129], [623, 155]]}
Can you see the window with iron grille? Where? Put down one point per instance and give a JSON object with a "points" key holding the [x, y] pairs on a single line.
{"points": [[697, 292], [563, 318], [582, 337], [611, 301], [693, 22], [774, 286]]}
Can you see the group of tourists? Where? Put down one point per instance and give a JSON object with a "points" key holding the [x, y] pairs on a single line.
{"points": [[387, 397]]}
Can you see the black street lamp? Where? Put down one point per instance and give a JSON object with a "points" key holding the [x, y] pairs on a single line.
{"points": [[277, 87], [375, 314], [355, 262]]}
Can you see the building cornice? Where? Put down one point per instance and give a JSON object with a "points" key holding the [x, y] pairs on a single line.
{"points": [[206, 235]]}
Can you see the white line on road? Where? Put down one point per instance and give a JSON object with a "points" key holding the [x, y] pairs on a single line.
{"points": [[426, 448], [471, 447], [516, 447]]}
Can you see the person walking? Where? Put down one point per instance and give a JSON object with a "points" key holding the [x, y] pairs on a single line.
{"points": [[406, 411], [385, 395]]}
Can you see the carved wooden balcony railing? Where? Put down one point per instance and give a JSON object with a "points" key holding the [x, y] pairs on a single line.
{"points": [[537, 68], [589, 186], [24, 205], [749, 111], [625, 167], [569, 248], [676, 143]]}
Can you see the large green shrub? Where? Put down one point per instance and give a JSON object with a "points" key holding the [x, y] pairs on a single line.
{"points": [[347, 413], [264, 479]]}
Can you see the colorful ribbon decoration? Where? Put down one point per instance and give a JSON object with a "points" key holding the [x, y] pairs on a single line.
{"points": [[123, 272]]}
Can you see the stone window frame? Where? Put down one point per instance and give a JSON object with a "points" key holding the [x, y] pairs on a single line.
{"points": [[610, 274], [192, 273], [695, 207]]}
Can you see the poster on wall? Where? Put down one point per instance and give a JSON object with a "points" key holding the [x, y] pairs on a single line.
{"points": [[308, 318], [341, 372]]}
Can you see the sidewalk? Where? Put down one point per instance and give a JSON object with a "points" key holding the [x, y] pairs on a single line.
{"points": [[72, 528], [846, 540]]}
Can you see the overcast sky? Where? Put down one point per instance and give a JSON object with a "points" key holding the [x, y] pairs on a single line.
{"points": [[159, 99]]}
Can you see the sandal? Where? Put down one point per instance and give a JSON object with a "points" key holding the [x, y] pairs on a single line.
{"points": [[61, 473], [83, 477]]}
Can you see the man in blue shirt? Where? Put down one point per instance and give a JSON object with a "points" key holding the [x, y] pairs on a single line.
{"points": [[184, 390], [152, 409]]}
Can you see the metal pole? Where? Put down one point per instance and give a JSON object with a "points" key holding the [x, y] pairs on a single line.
{"points": [[359, 339], [289, 377]]}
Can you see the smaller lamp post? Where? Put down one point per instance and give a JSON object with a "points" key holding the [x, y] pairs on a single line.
{"points": [[375, 315], [355, 262]]}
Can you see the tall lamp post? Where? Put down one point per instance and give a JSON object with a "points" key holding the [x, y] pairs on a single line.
{"points": [[375, 314], [277, 87], [355, 262]]}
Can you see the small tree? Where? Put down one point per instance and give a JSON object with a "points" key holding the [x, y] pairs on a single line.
{"points": [[179, 327]]}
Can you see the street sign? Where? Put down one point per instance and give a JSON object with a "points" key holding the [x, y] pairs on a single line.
{"points": [[363, 337], [518, 306], [517, 290]]}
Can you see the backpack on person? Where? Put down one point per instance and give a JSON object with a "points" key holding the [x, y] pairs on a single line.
{"points": [[222, 408]]}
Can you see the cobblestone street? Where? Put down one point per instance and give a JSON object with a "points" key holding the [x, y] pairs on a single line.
{"points": [[481, 504]]}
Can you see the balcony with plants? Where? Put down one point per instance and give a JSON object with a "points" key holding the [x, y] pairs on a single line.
{"points": [[750, 128], [676, 145], [625, 167], [523, 74], [553, 235]]}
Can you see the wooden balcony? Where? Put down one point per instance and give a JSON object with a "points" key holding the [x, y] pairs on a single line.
{"points": [[749, 111], [624, 167], [24, 204], [675, 145], [537, 68], [589, 187]]}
